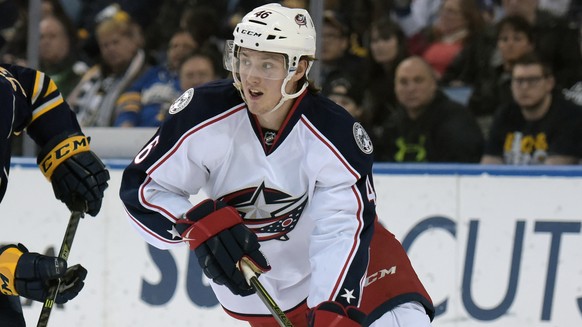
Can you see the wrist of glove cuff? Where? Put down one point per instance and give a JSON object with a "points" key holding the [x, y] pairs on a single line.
{"points": [[333, 314], [9, 257], [79, 178], [59, 149], [206, 220]]}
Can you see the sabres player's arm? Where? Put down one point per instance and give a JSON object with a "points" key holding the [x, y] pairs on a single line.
{"points": [[78, 177], [30, 100]]}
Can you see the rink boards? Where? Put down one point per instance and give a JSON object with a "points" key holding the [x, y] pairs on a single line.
{"points": [[494, 247]]}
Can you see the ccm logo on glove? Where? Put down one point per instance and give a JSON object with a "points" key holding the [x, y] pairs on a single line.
{"points": [[62, 152]]}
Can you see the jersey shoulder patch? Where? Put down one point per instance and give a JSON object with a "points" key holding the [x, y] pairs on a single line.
{"points": [[362, 138], [181, 102]]}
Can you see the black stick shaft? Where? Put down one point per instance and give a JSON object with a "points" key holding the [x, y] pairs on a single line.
{"points": [[64, 254]]}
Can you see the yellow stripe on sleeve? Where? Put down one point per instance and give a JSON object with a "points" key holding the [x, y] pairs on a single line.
{"points": [[49, 105], [51, 88]]}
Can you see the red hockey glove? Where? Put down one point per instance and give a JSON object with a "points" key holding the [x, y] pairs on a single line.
{"points": [[31, 274], [78, 176], [333, 314], [220, 240]]}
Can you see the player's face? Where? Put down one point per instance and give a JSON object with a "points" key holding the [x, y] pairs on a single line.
{"points": [[529, 85], [261, 75]]}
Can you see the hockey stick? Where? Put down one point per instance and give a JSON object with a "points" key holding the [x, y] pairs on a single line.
{"points": [[252, 279], [63, 254]]}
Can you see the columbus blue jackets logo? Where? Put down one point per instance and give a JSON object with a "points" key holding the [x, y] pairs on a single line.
{"points": [[300, 20], [181, 102], [362, 139], [270, 213]]}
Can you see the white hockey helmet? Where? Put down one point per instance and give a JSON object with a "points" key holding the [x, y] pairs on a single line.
{"points": [[277, 29], [274, 28]]}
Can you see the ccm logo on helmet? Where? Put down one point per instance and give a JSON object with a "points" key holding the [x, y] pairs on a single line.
{"points": [[251, 33]]}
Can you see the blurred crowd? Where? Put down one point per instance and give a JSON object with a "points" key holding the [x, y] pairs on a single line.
{"points": [[463, 81]]}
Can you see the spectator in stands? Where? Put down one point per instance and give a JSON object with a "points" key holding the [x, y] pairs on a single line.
{"points": [[58, 53], [557, 41], [15, 49], [203, 18], [459, 22], [154, 92], [347, 92], [428, 126], [386, 50], [358, 15], [490, 80], [335, 57], [199, 68], [122, 62], [540, 127], [91, 13]]}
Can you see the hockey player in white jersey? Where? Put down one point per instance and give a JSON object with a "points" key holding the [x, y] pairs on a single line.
{"points": [[288, 174]]}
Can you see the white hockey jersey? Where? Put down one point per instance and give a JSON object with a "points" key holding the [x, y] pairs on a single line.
{"points": [[309, 196]]}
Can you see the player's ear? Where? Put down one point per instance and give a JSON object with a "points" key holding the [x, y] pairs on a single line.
{"points": [[301, 69]]}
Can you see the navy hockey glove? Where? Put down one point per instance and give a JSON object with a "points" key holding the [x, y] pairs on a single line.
{"points": [[220, 240], [333, 314], [31, 275], [78, 176]]}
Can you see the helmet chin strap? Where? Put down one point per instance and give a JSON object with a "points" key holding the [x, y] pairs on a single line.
{"points": [[284, 95]]}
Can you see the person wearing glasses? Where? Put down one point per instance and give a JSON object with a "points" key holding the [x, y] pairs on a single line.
{"points": [[540, 126]]}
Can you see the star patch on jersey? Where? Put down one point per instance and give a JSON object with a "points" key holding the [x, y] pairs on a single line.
{"points": [[362, 139], [181, 102], [269, 213]]}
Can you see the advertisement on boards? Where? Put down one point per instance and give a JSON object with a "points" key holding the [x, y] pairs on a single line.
{"points": [[491, 250]]}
